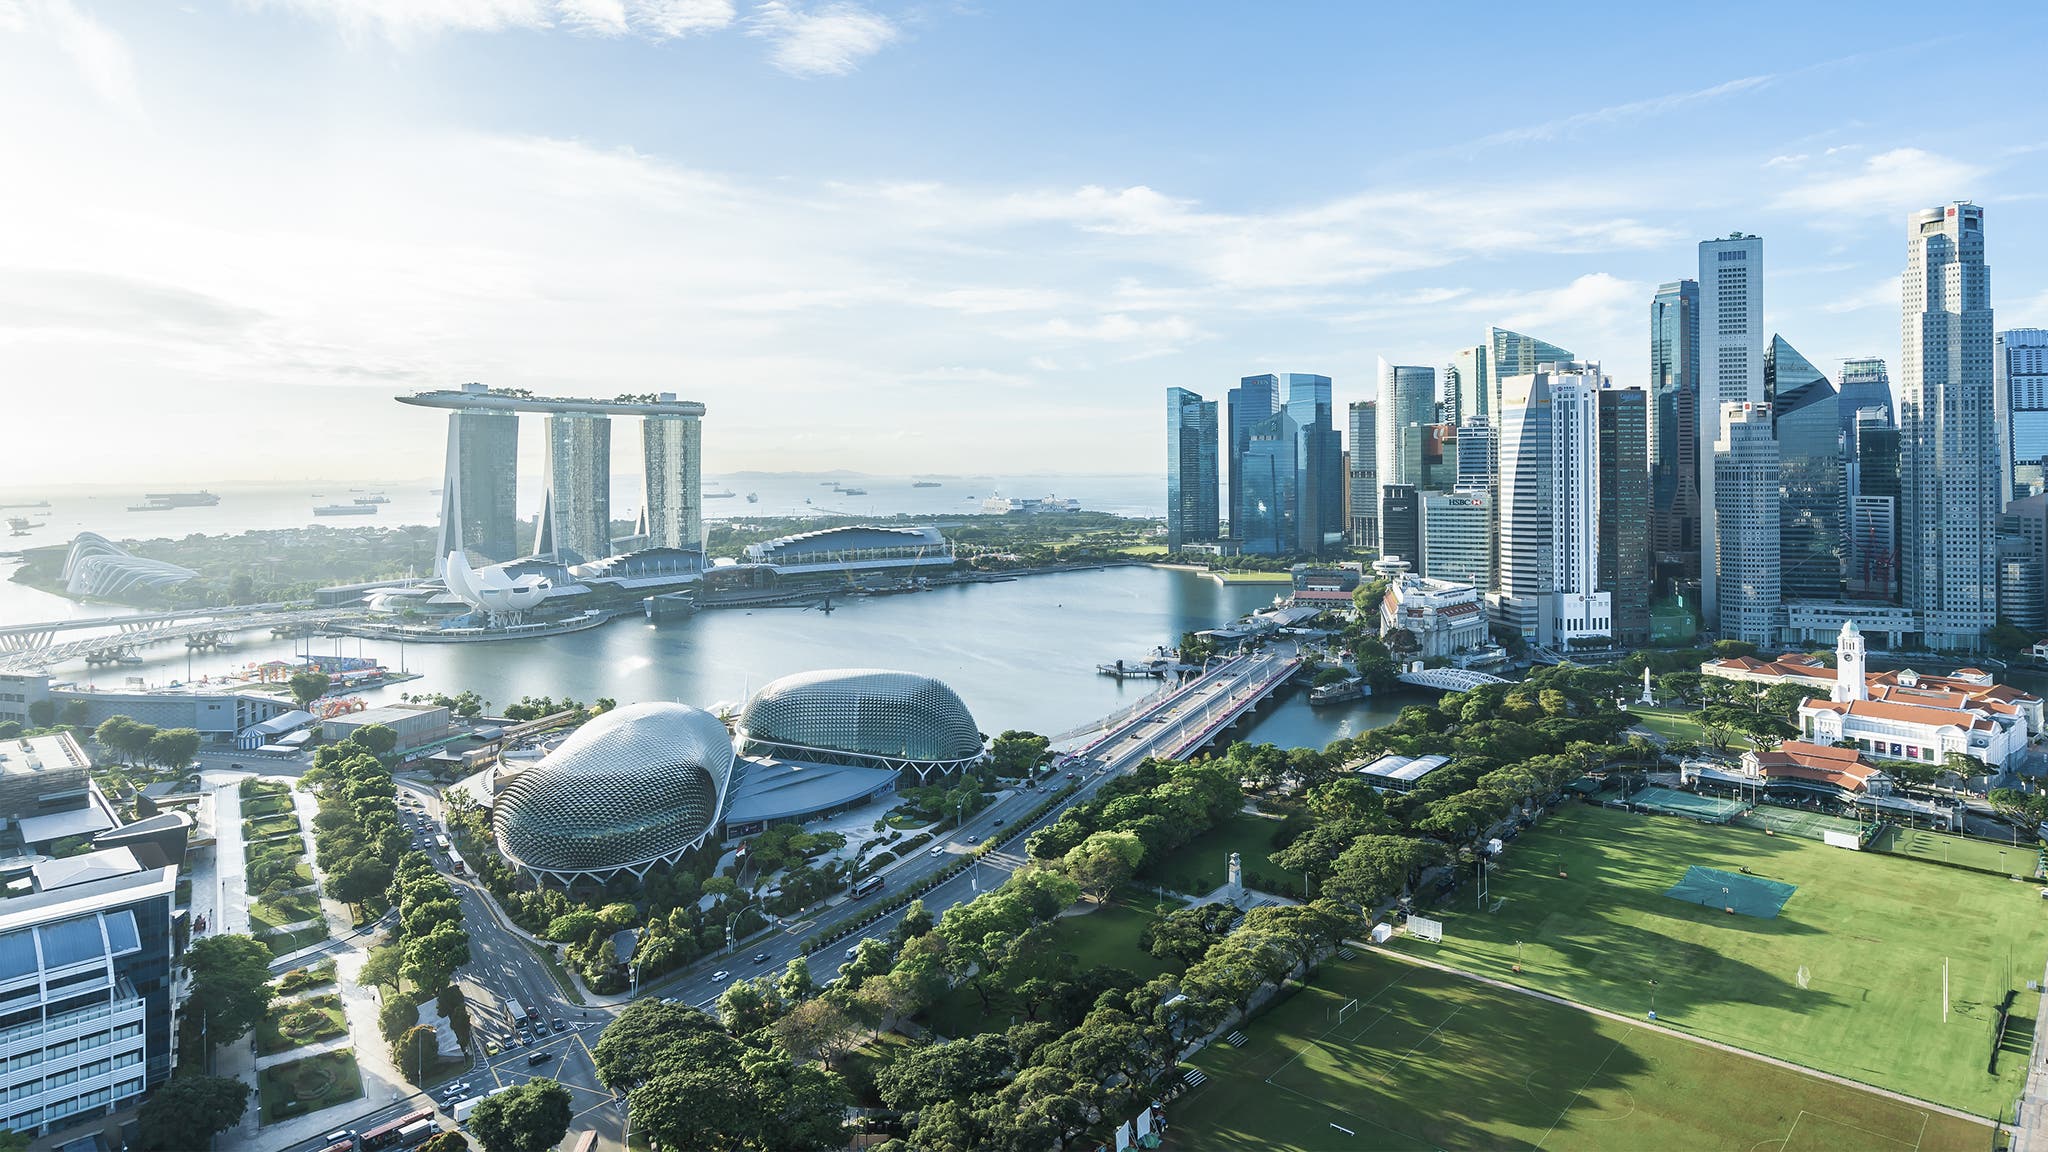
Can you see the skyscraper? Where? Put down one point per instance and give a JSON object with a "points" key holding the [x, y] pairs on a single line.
{"points": [[1407, 398], [2020, 359], [1624, 502], [1810, 500], [1864, 384], [1401, 522], [1268, 494], [1457, 537], [1473, 383], [1319, 462], [1477, 456], [1253, 400], [1363, 475], [1674, 433], [576, 516], [1452, 403], [1190, 469], [1513, 354], [1953, 468], [2023, 563], [673, 450], [1549, 515], [479, 487], [1872, 478], [1746, 549], [1731, 286]]}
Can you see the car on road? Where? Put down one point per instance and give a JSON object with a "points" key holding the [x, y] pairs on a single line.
{"points": [[491, 1048], [938, 850], [558, 1025], [998, 823], [974, 839], [533, 1058], [760, 957], [721, 975]]}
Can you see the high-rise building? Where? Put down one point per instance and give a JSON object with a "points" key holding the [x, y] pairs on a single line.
{"points": [[1476, 456], [1362, 476], [1400, 522], [1473, 383], [1452, 400], [1248, 405], [1513, 354], [576, 515], [1457, 537], [1624, 501], [1268, 490], [1731, 333], [1805, 411], [1407, 397], [1548, 586], [1319, 463], [1864, 384], [2020, 361], [1871, 476], [2023, 563], [1746, 550], [1952, 464], [1674, 433], [1191, 510], [673, 509]]}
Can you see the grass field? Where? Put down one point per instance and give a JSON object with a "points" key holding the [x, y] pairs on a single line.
{"points": [[1671, 725], [1200, 866], [2006, 859], [1431, 1060], [1869, 932]]}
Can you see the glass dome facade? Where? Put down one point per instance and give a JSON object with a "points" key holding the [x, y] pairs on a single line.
{"points": [[863, 715], [636, 786]]}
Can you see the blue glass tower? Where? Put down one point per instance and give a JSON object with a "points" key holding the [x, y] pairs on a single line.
{"points": [[1268, 490], [1250, 404], [1319, 462], [1191, 510]]}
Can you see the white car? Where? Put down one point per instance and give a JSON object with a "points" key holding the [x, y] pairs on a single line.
{"points": [[721, 975], [938, 850]]}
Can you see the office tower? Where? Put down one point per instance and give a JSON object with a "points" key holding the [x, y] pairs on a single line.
{"points": [[576, 516], [1319, 463], [1624, 503], [1951, 463], [2020, 361], [1400, 522], [1746, 548], [1731, 333], [1190, 469], [1248, 405], [1476, 456], [1362, 476], [479, 486], [1452, 403], [1406, 397], [1804, 410], [673, 451], [1674, 433], [1514, 354], [1268, 491], [1871, 476], [2023, 563], [1457, 537], [1863, 384], [1549, 506], [1473, 382], [1439, 457]]}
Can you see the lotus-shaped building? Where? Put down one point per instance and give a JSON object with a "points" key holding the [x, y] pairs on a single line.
{"points": [[863, 716]]}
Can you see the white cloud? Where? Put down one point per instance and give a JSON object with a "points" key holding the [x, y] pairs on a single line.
{"points": [[98, 55], [1623, 113], [404, 20], [830, 40], [1792, 160], [1887, 184]]}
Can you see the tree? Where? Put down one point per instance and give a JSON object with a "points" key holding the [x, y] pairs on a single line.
{"points": [[2008, 639], [173, 747], [358, 880], [1185, 934], [382, 967], [230, 985], [817, 1029], [378, 739], [415, 1049], [530, 1118], [73, 714], [706, 1107], [42, 713], [645, 1039], [1103, 861], [187, 1112], [1017, 753], [431, 959], [1375, 869], [445, 1142], [796, 982], [955, 1070], [308, 686]]}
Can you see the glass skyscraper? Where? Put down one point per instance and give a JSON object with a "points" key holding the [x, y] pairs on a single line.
{"points": [[1810, 501], [1873, 483], [1864, 384], [672, 448], [1624, 547], [1364, 478], [1674, 433], [1319, 462], [2021, 361], [479, 488], [1268, 490], [1191, 510], [576, 518], [1731, 335], [1249, 404]]}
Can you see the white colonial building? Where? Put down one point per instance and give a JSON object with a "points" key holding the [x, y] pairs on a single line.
{"points": [[1907, 716], [1446, 616]]}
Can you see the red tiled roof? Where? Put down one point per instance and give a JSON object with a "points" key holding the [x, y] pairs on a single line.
{"points": [[1799, 760], [1463, 609]]}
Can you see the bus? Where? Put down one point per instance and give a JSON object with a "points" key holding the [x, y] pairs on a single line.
{"points": [[404, 1132], [455, 863], [516, 1011], [441, 842], [867, 887]]}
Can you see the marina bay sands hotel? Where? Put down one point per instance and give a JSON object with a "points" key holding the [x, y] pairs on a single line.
{"points": [[479, 509]]}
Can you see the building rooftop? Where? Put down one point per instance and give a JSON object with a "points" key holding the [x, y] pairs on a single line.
{"points": [[779, 789], [477, 398], [82, 884], [1405, 769], [35, 754]]}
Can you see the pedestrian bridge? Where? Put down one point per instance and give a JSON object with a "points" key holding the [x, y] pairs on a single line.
{"points": [[1450, 679]]}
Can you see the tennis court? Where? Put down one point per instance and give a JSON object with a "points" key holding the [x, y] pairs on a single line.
{"points": [[1671, 802], [2020, 859], [1794, 822]]}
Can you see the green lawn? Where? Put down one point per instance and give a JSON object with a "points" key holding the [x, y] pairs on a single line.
{"points": [[1200, 866], [2007, 859], [266, 806], [1867, 932], [1104, 938], [302, 1086], [861, 1065], [1430, 1060], [272, 913], [267, 826], [1670, 724], [295, 1024], [283, 943]]}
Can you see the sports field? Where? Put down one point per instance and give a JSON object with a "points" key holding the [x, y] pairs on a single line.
{"points": [[1431, 1060], [2008, 859], [1847, 978], [1796, 822]]}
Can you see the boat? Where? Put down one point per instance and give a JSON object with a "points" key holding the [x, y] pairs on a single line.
{"points": [[853, 491], [925, 484], [345, 510], [199, 499], [721, 494], [151, 507], [374, 498], [19, 525], [753, 497], [128, 658], [828, 483], [35, 504]]}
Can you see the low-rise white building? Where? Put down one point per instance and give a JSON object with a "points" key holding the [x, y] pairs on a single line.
{"points": [[1908, 716], [1445, 616]]}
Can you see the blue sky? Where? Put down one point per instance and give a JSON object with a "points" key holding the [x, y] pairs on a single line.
{"points": [[933, 236]]}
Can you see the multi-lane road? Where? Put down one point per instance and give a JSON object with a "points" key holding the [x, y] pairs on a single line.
{"points": [[507, 966]]}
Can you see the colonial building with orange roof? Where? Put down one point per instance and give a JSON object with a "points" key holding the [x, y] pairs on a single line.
{"points": [[1908, 716]]}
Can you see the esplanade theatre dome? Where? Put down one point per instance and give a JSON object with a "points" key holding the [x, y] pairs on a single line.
{"points": [[639, 785], [863, 716]]}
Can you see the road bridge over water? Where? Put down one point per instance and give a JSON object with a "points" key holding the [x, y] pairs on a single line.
{"points": [[33, 647], [1450, 679]]}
